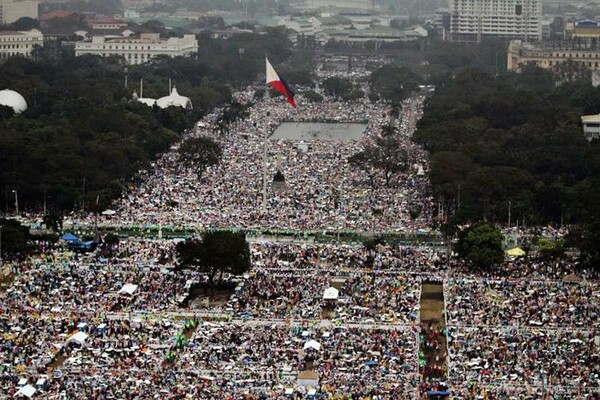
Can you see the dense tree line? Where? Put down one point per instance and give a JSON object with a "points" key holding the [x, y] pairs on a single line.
{"points": [[83, 139], [513, 141]]}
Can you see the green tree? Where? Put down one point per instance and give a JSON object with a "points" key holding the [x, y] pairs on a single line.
{"points": [[111, 239], [550, 249], [386, 154], [25, 24], [312, 96], [217, 253], [111, 242], [337, 86], [15, 237], [200, 153], [392, 82], [481, 245]]}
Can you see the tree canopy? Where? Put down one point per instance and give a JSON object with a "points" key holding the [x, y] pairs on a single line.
{"points": [[82, 123], [217, 253], [14, 236], [512, 141], [386, 155], [200, 153], [481, 245], [392, 83]]}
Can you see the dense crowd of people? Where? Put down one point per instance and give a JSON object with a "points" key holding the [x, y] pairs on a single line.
{"points": [[524, 338], [309, 320], [322, 190]]}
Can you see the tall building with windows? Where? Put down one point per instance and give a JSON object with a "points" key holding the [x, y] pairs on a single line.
{"points": [[476, 20], [138, 50]]}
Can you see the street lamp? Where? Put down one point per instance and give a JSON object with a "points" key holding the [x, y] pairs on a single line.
{"points": [[0, 245], [16, 201]]}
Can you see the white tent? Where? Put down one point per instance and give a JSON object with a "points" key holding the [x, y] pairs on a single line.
{"points": [[128, 288], [331, 293], [313, 344], [109, 212], [78, 337], [26, 390], [308, 378]]}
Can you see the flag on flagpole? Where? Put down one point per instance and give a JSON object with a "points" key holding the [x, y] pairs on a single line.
{"points": [[275, 81]]}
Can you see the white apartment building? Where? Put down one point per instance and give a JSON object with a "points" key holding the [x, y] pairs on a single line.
{"points": [[12, 10], [19, 43], [138, 50], [476, 20], [348, 4]]}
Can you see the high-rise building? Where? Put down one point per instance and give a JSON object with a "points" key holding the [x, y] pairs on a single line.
{"points": [[476, 20]]}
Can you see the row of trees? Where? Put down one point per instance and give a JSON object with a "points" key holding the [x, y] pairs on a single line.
{"points": [[512, 142], [82, 139]]}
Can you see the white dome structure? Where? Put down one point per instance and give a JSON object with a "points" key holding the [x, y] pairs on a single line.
{"points": [[147, 101], [174, 99], [10, 98]]}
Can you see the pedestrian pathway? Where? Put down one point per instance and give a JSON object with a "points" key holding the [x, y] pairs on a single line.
{"points": [[433, 346]]}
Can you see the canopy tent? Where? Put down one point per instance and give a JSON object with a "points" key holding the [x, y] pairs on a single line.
{"points": [[27, 391], [515, 252], [312, 344], [331, 293], [308, 378], [438, 393], [69, 237], [572, 278], [128, 288], [78, 337]]}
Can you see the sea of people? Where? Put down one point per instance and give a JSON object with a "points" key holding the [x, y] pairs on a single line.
{"points": [[524, 338], [322, 190], [309, 320], [62, 317], [66, 317]]}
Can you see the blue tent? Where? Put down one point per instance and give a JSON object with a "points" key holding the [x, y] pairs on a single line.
{"points": [[69, 237], [438, 393], [83, 246]]}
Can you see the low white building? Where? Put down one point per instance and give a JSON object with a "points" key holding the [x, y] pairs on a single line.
{"points": [[19, 43], [591, 126], [138, 50]]}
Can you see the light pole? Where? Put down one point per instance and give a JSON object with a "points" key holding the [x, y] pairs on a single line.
{"points": [[16, 201], [1, 245]]}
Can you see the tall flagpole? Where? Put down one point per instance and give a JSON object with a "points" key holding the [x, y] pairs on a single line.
{"points": [[264, 188]]}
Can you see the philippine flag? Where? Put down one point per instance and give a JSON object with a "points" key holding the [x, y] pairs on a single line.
{"points": [[275, 81]]}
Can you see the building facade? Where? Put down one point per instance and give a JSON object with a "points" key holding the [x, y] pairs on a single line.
{"points": [[476, 20], [521, 54], [20, 43], [138, 50], [591, 126]]}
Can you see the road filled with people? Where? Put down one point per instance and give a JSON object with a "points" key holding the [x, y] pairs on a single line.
{"points": [[334, 320], [322, 189]]}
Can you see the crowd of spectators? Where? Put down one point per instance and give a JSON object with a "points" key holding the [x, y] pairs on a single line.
{"points": [[322, 190], [120, 324]]}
